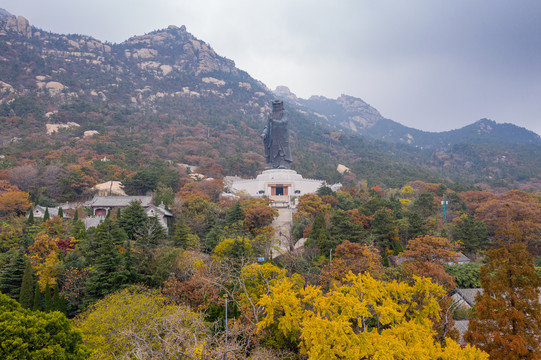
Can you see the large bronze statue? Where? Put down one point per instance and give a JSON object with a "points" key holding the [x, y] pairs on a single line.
{"points": [[276, 138]]}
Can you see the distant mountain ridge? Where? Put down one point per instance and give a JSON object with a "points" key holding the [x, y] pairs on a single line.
{"points": [[347, 113]]}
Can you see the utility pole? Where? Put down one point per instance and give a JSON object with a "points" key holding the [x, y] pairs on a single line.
{"points": [[226, 342], [444, 203], [225, 296]]}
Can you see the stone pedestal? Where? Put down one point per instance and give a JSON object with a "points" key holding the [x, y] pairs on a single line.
{"points": [[278, 184]]}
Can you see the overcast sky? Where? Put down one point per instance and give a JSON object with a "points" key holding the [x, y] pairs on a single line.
{"points": [[430, 64]]}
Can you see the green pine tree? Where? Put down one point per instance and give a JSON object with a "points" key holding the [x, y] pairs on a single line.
{"points": [[12, 277], [133, 219], [180, 235], [37, 300], [384, 229], [30, 220], [342, 228], [46, 216], [48, 299], [416, 226], [57, 306], [471, 233], [63, 305], [213, 238], [27, 287], [234, 215], [319, 235], [128, 263], [76, 215], [153, 235], [105, 276], [425, 205], [60, 213]]}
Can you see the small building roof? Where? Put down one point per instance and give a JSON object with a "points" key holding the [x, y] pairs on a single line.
{"points": [[120, 201], [38, 209], [159, 209], [469, 295], [461, 326], [462, 259]]}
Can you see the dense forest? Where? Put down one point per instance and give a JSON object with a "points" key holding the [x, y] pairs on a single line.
{"points": [[376, 264]]}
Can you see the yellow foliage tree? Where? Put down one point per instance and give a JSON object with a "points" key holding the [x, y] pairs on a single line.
{"points": [[44, 259], [361, 319], [310, 205], [256, 281], [234, 248], [139, 323], [47, 271]]}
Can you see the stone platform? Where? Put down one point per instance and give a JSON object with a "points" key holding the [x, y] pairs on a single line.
{"points": [[277, 183]]}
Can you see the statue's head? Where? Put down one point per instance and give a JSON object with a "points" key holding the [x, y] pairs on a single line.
{"points": [[277, 105]]}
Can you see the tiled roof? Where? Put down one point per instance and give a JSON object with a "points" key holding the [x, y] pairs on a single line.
{"points": [[159, 209], [119, 201], [461, 326], [469, 294], [462, 259], [53, 211]]}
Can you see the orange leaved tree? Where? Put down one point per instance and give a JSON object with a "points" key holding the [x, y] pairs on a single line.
{"points": [[506, 321]]}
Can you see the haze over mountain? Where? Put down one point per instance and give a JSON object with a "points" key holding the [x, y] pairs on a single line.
{"points": [[348, 113], [168, 95]]}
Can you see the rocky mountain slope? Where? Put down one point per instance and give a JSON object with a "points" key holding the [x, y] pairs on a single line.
{"points": [[351, 114], [167, 96]]}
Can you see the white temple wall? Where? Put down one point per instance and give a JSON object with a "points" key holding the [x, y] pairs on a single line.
{"points": [[263, 183]]}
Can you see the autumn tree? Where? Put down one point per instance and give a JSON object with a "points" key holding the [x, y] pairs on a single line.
{"points": [[13, 202], [352, 257], [506, 321], [514, 208], [237, 248], [190, 283], [310, 205], [141, 323], [426, 256], [44, 258], [361, 319], [257, 214], [254, 282]]}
